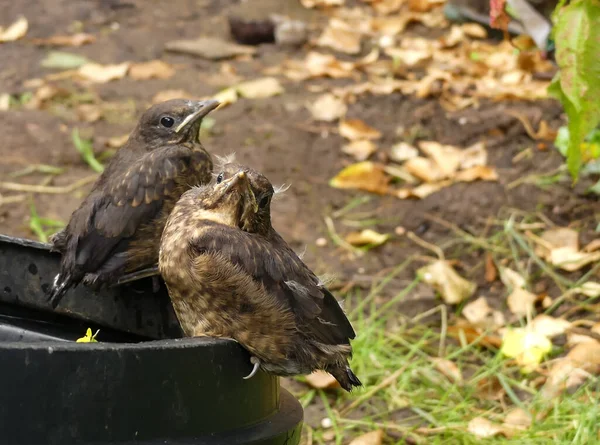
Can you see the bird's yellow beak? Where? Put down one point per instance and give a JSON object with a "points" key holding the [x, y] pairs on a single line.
{"points": [[201, 109]]}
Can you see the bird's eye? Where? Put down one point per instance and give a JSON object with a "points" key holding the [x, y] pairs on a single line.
{"points": [[167, 121], [220, 178], [263, 202]]}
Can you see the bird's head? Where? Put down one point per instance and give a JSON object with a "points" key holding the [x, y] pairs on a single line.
{"points": [[173, 122]]}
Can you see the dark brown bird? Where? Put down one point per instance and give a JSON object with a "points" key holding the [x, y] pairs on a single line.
{"points": [[116, 230], [230, 274]]}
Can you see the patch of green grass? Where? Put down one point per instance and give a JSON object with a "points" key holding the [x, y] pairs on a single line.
{"points": [[42, 227], [414, 401]]}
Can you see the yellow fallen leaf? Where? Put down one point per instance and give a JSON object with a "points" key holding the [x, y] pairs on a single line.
{"points": [[260, 88], [367, 237], [483, 428], [442, 277], [88, 338], [97, 73], [354, 129], [340, 36], [448, 369], [372, 438], [15, 31], [360, 149], [153, 69], [321, 380], [527, 347], [365, 175], [327, 108], [520, 302]]}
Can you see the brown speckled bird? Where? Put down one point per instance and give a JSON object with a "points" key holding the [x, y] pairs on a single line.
{"points": [[230, 274], [116, 230]]}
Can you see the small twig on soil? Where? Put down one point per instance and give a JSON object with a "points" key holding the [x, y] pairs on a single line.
{"points": [[531, 178], [338, 240], [55, 190], [11, 199], [425, 245], [384, 384]]}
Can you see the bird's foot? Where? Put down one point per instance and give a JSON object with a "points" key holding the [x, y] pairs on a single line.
{"points": [[256, 363]]}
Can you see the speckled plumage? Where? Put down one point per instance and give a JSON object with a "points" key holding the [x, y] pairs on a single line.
{"points": [[117, 228], [230, 274]]}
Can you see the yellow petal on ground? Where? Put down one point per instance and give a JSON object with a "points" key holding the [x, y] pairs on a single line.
{"points": [[365, 175], [360, 149], [367, 237], [450, 285], [15, 31], [527, 347], [97, 73], [354, 129], [260, 88], [327, 108]]}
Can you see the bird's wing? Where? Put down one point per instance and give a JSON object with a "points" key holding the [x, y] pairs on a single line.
{"points": [[283, 274], [133, 198]]}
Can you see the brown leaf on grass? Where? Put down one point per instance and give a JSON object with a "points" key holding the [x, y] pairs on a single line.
{"points": [[367, 237], [442, 277], [15, 31], [360, 149], [260, 88], [97, 73], [491, 271], [520, 302], [490, 388], [354, 129], [78, 39], [481, 315], [153, 69], [341, 37], [517, 419], [471, 335], [327, 108], [448, 369], [372, 438], [365, 175], [212, 48], [165, 95], [483, 428], [560, 247], [581, 363], [321, 380]]}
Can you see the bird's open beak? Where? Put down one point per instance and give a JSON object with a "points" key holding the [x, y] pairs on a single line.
{"points": [[202, 108]]}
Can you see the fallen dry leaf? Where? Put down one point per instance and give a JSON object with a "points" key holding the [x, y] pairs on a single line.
{"points": [[4, 101], [15, 31], [322, 380], [78, 39], [463, 331], [560, 247], [212, 48], [549, 326], [421, 191], [354, 129], [518, 419], [154, 69], [520, 302], [371, 438], [446, 157], [474, 30], [360, 149], [318, 65], [341, 37], [580, 364], [452, 287], [448, 369], [482, 172], [367, 237], [491, 271], [260, 88], [117, 141], [365, 175], [473, 156], [511, 278], [483, 428], [89, 112], [480, 314], [327, 108], [589, 289], [163, 96], [527, 347], [402, 151], [592, 246], [97, 73], [321, 3]]}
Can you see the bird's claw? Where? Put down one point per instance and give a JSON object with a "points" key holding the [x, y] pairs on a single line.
{"points": [[256, 363]]}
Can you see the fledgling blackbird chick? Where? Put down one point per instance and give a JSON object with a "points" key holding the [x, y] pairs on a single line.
{"points": [[230, 274], [116, 230]]}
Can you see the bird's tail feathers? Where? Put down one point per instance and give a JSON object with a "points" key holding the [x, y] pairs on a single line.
{"points": [[345, 377]]}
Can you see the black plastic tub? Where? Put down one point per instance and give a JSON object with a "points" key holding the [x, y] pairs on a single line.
{"points": [[139, 385]]}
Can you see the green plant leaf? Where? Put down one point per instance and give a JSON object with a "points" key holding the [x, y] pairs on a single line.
{"points": [[577, 85], [86, 150]]}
